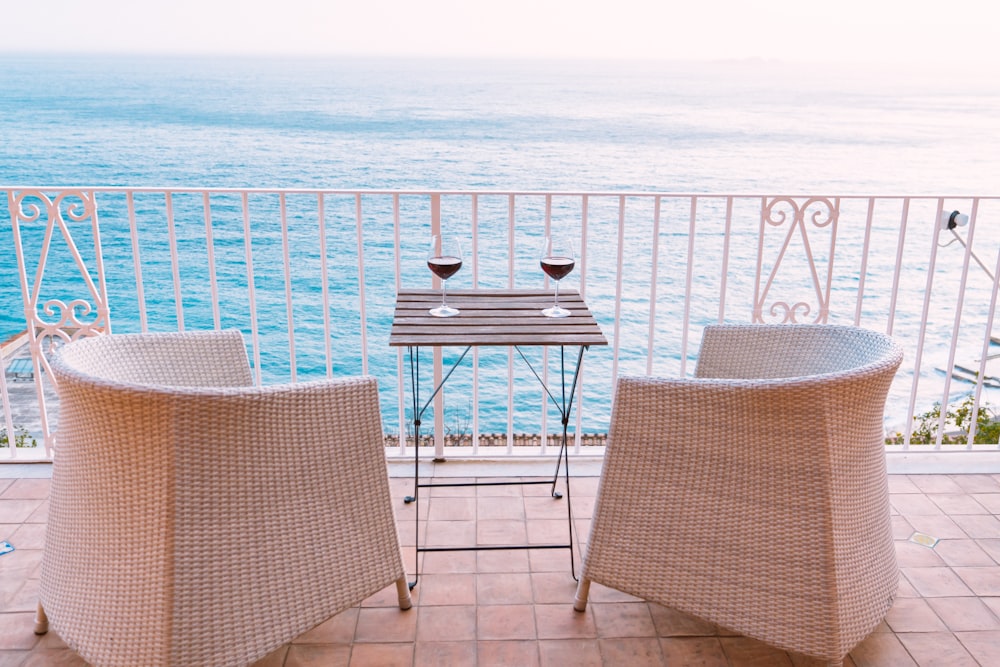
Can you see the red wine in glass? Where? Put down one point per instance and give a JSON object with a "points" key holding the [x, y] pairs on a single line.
{"points": [[557, 260], [444, 259], [557, 268], [444, 267]]}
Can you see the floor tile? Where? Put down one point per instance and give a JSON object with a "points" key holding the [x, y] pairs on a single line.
{"points": [[635, 652], [34, 488], [673, 623], [983, 646], [938, 525], [447, 589], [957, 503], [505, 561], [964, 614], [450, 533], [901, 484], [991, 501], [512, 588], [338, 629], [622, 619], [385, 624], [452, 509], [981, 580], [914, 504], [437, 653], [17, 510], [743, 651], [978, 527], [937, 649], [935, 483], [560, 621], [881, 650], [693, 651], [507, 653], [576, 652], [384, 655], [453, 622], [449, 562], [491, 507], [909, 554], [505, 622], [936, 581], [553, 588], [17, 631], [913, 615], [501, 531], [965, 553], [977, 483]]}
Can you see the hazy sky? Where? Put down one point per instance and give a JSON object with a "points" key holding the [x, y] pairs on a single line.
{"points": [[912, 31]]}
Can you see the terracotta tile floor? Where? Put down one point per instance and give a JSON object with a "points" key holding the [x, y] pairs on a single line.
{"points": [[515, 607]]}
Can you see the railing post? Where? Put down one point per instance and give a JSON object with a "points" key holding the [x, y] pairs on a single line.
{"points": [[439, 399]]}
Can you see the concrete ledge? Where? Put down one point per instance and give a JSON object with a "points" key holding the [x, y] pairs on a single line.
{"points": [[898, 463], [963, 462]]}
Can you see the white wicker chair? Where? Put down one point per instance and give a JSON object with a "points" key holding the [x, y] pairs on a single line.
{"points": [[755, 495], [197, 519]]}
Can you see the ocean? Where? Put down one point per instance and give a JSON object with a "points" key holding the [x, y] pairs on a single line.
{"points": [[678, 127], [719, 127]]}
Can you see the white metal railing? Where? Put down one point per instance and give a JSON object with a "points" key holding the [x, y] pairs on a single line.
{"points": [[310, 276]]}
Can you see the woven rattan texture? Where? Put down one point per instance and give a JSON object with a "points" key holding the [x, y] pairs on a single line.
{"points": [[208, 525], [758, 504]]}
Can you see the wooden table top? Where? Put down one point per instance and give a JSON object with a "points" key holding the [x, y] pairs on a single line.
{"points": [[492, 317]]}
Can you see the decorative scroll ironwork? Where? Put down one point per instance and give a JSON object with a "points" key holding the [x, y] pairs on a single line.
{"points": [[55, 321], [801, 224]]}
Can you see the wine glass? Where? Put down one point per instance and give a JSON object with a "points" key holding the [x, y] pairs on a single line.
{"points": [[444, 259], [557, 260]]}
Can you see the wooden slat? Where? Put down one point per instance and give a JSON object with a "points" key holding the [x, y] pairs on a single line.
{"points": [[492, 317]]}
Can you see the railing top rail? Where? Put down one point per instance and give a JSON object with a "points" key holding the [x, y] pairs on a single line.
{"points": [[498, 192]]}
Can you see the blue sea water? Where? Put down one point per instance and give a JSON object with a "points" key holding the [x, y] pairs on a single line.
{"points": [[416, 124], [705, 127]]}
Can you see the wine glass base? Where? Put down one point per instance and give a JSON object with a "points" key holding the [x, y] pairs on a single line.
{"points": [[556, 311], [444, 311]]}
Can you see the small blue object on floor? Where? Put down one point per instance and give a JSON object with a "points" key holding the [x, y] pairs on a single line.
{"points": [[5, 547]]}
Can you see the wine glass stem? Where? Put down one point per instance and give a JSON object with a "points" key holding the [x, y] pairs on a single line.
{"points": [[444, 290], [556, 302]]}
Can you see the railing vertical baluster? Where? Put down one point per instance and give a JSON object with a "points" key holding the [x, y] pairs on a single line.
{"points": [[584, 211], [324, 273], [400, 373], [137, 263], [475, 350], [511, 202], [286, 265], [724, 278], [547, 231], [921, 336], [903, 223], [362, 296], [438, 352], [654, 265], [988, 335], [174, 261], [973, 418], [688, 285], [863, 274], [251, 285], [957, 322], [213, 280], [619, 278]]}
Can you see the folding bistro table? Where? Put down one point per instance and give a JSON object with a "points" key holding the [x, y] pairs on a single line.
{"points": [[507, 318]]}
